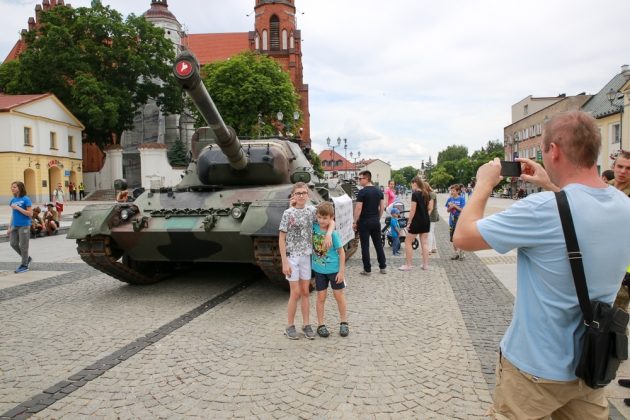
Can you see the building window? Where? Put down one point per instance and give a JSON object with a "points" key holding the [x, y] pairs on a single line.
{"points": [[292, 41], [285, 39], [265, 41], [71, 144], [28, 139], [53, 140], [274, 31], [257, 42], [616, 133]]}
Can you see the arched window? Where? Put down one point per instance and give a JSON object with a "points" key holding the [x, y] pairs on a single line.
{"points": [[265, 41], [274, 29], [291, 42], [257, 42], [285, 39]]}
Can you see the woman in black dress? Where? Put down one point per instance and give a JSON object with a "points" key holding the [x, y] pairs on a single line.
{"points": [[421, 207]]}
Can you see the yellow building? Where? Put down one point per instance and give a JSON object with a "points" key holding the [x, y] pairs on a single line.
{"points": [[40, 145]]}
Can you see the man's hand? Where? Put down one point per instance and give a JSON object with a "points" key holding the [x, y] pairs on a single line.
{"points": [[533, 172], [489, 174]]}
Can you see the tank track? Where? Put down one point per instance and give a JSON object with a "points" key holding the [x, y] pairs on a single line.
{"points": [[97, 252], [267, 256]]}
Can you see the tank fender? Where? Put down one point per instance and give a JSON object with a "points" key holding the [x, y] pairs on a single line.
{"points": [[92, 220], [263, 218]]}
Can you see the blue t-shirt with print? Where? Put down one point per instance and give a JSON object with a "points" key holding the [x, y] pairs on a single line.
{"points": [[325, 261], [18, 218], [546, 329], [393, 224], [454, 214]]}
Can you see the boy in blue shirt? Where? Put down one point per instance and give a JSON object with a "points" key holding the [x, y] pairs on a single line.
{"points": [[329, 266], [394, 228], [454, 206]]}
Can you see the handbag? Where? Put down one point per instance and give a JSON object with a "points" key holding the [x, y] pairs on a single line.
{"points": [[605, 343]]}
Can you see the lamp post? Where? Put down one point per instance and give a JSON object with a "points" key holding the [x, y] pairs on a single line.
{"points": [[332, 151], [280, 116], [612, 95], [260, 123]]}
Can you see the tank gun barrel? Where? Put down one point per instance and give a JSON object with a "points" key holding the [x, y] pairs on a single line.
{"points": [[186, 71]]}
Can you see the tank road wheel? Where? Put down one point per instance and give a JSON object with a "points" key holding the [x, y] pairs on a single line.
{"points": [[267, 255], [352, 246], [152, 271]]}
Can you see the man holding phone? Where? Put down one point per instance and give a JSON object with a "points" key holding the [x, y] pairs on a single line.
{"points": [[538, 353]]}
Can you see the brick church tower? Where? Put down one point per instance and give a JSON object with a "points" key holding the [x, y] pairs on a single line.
{"points": [[276, 35]]}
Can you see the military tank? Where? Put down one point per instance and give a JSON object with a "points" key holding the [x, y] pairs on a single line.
{"points": [[227, 207]]}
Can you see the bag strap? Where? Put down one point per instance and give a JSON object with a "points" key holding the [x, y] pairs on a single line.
{"points": [[575, 256]]}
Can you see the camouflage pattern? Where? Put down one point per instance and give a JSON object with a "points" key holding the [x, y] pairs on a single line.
{"points": [[227, 207]]}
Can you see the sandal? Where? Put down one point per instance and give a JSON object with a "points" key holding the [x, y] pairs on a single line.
{"points": [[344, 330], [322, 331]]}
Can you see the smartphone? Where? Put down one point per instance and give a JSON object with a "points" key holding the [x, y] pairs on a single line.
{"points": [[509, 168]]}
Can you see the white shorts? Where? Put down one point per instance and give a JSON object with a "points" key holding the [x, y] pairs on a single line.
{"points": [[300, 268]]}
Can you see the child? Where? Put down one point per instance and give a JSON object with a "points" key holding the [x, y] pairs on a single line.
{"points": [[394, 228], [295, 245], [454, 206], [329, 267], [36, 223]]}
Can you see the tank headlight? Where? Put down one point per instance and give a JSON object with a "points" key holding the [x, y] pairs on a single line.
{"points": [[237, 212], [124, 214]]}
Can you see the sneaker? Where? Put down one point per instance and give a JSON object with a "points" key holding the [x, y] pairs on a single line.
{"points": [[365, 273], [30, 260], [291, 333], [322, 331], [434, 251], [344, 330], [461, 256], [405, 267], [383, 271], [455, 257], [308, 332], [21, 269]]}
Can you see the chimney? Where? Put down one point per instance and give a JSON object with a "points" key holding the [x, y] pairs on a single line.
{"points": [[31, 23], [46, 4], [38, 11]]}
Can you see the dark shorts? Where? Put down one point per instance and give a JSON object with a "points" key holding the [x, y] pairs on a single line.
{"points": [[322, 280]]}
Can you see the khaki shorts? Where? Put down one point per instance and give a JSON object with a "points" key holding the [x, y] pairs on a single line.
{"points": [[519, 395]]}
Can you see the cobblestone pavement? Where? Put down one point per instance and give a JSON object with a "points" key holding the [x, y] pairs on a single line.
{"points": [[76, 343]]}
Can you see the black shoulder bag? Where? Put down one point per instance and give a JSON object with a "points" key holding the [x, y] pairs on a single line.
{"points": [[604, 344]]}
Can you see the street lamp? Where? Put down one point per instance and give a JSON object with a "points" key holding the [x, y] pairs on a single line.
{"points": [[280, 116], [332, 151], [612, 95], [260, 123]]}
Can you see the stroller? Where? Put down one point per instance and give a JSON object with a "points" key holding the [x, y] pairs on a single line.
{"points": [[386, 232]]}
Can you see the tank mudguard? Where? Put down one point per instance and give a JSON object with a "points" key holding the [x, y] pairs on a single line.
{"points": [[92, 220], [263, 219]]}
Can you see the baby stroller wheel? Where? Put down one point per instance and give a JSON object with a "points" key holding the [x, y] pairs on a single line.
{"points": [[415, 244], [389, 240], [383, 240]]}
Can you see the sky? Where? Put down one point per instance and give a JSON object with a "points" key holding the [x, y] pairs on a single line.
{"points": [[401, 80]]}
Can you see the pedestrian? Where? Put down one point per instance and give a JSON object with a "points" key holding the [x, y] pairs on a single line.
{"points": [[329, 266], [81, 191], [394, 231], [434, 217], [608, 175], [539, 351], [295, 244], [37, 225], [390, 192], [621, 171], [420, 224], [58, 199], [51, 219], [454, 205], [20, 224], [72, 191], [367, 221]]}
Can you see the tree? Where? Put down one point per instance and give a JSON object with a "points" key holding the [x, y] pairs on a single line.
{"points": [[452, 153], [249, 84], [404, 175], [101, 67], [317, 164], [440, 178], [177, 156]]}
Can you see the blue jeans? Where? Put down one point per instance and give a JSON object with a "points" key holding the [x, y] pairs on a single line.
{"points": [[396, 245]]}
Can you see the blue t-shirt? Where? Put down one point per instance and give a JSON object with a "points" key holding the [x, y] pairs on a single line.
{"points": [[393, 224], [325, 261], [19, 219], [454, 215], [546, 326]]}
